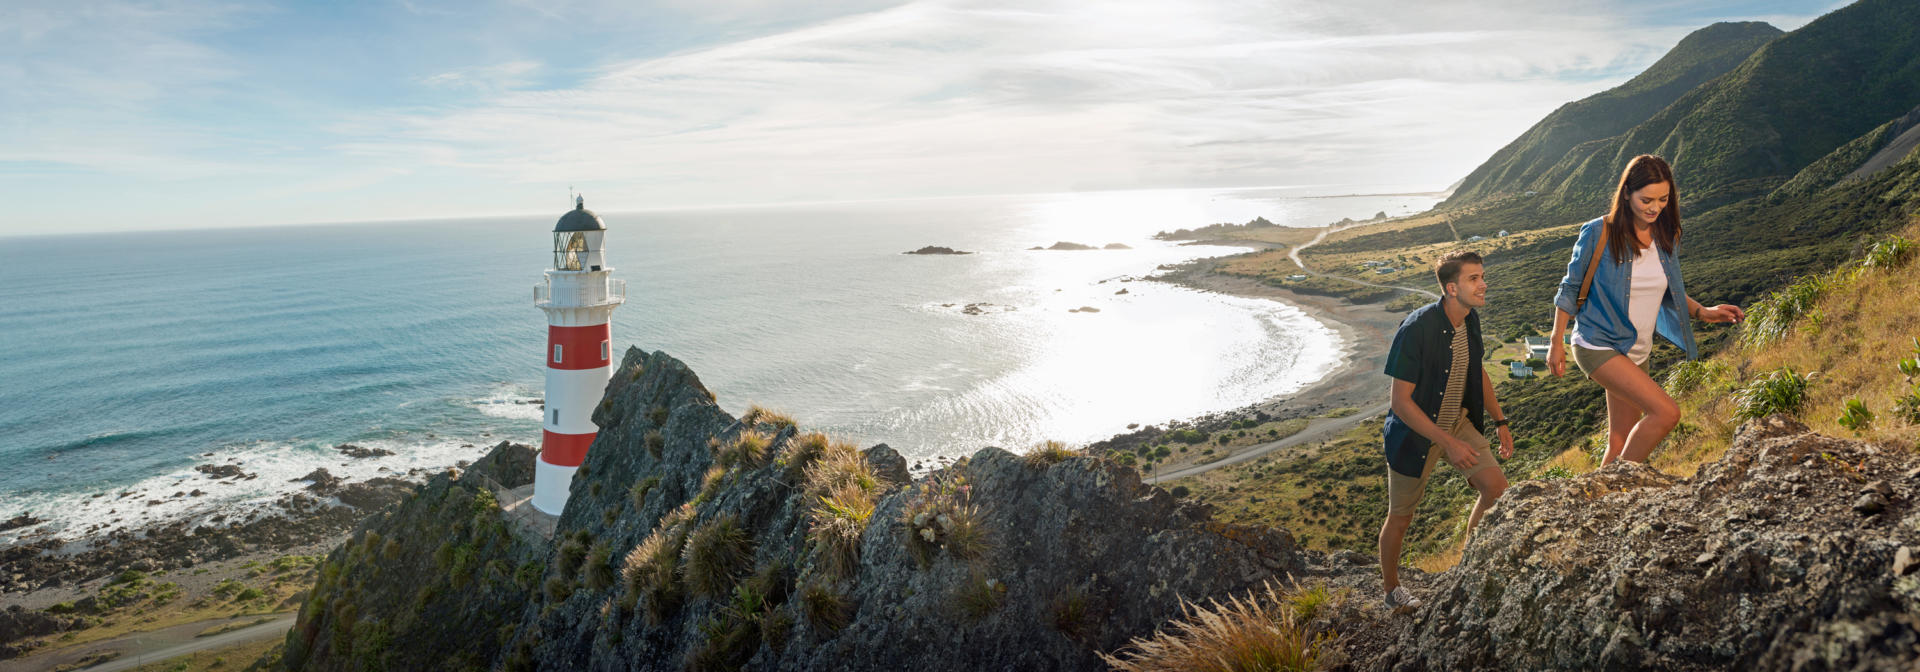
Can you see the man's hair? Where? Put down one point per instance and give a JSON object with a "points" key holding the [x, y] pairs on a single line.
{"points": [[1447, 268]]}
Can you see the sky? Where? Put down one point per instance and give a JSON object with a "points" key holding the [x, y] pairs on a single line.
{"points": [[168, 114]]}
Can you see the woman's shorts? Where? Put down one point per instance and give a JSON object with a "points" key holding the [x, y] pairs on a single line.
{"points": [[1589, 359]]}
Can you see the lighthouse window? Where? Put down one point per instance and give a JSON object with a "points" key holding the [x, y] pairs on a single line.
{"points": [[556, 417], [606, 350], [556, 353]]}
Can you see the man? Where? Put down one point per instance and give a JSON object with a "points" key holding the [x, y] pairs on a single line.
{"points": [[1439, 394]]}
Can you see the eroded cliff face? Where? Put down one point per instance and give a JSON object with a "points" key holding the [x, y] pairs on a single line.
{"points": [[1063, 559], [1796, 551]]}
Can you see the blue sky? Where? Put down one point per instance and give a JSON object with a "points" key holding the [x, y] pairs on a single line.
{"points": [[190, 113]]}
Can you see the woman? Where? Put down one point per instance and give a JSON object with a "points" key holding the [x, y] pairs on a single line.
{"points": [[1635, 292]]}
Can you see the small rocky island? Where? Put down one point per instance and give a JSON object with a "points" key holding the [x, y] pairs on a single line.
{"points": [[935, 249], [1065, 245]]}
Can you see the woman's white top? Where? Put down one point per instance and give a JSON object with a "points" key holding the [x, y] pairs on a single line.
{"points": [[1645, 289]]}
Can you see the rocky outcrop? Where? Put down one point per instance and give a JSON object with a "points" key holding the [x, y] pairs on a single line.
{"points": [[1796, 551], [1077, 556], [935, 249], [18, 623], [357, 452]]}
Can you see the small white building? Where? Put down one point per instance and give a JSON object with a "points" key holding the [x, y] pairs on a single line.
{"points": [[1521, 370], [1537, 347], [1475, 239], [1503, 233], [1297, 276]]}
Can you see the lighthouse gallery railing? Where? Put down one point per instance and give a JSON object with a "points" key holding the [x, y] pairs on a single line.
{"points": [[615, 291]]}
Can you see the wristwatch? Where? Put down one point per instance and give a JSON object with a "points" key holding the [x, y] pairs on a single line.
{"points": [[1500, 423]]}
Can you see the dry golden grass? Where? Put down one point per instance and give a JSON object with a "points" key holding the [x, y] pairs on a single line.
{"points": [[1438, 562], [1268, 630], [1049, 453], [1863, 328]]}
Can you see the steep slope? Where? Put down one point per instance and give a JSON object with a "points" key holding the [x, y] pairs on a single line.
{"points": [[1703, 55], [1792, 102]]}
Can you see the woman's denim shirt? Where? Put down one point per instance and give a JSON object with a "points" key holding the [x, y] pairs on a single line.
{"points": [[1604, 320]]}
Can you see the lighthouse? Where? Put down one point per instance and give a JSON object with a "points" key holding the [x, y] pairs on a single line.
{"points": [[578, 296]]}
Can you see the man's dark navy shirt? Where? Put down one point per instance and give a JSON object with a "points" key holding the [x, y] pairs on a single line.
{"points": [[1422, 353]]}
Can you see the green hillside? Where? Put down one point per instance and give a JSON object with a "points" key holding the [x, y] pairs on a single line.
{"points": [[1703, 55]]}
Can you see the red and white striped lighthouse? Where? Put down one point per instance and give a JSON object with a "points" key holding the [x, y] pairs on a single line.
{"points": [[579, 296]]}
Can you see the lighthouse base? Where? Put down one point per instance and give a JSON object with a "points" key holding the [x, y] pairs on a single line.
{"points": [[552, 484]]}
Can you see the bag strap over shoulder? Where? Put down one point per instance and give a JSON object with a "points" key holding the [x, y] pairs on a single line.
{"points": [[1592, 265]]}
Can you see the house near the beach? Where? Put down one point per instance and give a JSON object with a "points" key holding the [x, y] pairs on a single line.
{"points": [[1521, 370], [1537, 347]]}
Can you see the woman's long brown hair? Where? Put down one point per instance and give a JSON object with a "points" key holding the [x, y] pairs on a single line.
{"points": [[1643, 170]]}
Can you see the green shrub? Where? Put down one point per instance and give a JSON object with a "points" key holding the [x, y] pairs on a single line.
{"points": [[528, 573], [1685, 377], [1777, 315], [1180, 491], [1187, 436], [1781, 391], [1556, 473], [715, 555], [1855, 416], [568, 561], [1906, 407], [651, 569], [1889, 254], [558, 589]]}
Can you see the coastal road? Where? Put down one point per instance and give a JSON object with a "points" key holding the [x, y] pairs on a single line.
{"points": [[153, 647], [1317, 429], [1294, 255]]}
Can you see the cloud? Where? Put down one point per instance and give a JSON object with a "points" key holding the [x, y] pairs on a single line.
{"points": [[501, 77]]}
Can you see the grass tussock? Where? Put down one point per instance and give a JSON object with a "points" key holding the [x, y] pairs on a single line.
{"points": [[715, 556], [838, 522], [825, 607], [758, 415], [599, 571], [641, 488], [1267, 630], [656, 443], [839, 465], [1049, 453], [979, 596], [801, 452], [746, 451], [651, 570], [940, 515]]}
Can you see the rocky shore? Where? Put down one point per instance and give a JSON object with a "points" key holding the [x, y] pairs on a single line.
{"points": [[45, 568]]}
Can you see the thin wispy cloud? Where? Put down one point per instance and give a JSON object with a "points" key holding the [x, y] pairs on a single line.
{"points": [[840, 101]]}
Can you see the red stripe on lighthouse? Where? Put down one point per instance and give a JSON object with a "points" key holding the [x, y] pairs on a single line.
{"points": [[579, 346], [565, 450]]}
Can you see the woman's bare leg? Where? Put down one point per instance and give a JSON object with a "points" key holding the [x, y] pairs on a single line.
{"points": [[1660, 414], [1621, 416]]}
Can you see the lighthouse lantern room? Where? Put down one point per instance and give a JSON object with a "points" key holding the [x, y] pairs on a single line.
{"points": [[578, 296]]}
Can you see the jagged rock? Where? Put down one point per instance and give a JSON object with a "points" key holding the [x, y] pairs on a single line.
{"points": [[356, 452], [509, 464], [375, 493], [18, 623], [1760, 562], [22, 520], [324, 482], [1084, 528]]}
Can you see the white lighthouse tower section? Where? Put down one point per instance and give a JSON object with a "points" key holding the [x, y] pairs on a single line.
{"points": [[578, 296]]}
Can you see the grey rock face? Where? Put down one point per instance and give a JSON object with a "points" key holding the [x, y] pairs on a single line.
{"points": [[1079, 556], [1763, 561]]}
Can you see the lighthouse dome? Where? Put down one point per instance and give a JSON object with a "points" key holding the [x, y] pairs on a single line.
{"points": [[579, 219]]}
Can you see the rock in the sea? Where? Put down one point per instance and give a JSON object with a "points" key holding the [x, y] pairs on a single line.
{"points": [[1084, 309], [221, 471], [1064, 245], [22, 520], [935, 249], [324, 482], [1117, 246], [354, 451]]}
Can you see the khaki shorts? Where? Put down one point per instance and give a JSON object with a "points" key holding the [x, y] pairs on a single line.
{"points": [[1404, 492], [1589, 359]]}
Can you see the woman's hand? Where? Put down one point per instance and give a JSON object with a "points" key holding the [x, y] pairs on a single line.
{"points": [[1725, 312], [1557, 359]]}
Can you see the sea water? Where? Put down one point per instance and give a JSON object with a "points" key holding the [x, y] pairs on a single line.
{"points": [[132, 358]]}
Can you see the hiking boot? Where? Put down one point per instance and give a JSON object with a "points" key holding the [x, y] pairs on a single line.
{"points": [[1401, 598]]}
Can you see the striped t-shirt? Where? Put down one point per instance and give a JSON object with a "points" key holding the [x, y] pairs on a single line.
{"points": [[1456, 382]]}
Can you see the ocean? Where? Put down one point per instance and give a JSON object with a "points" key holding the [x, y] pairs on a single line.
{"points": [[132, 358]]}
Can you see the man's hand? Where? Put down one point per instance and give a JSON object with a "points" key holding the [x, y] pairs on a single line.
{"points": [[1460, 454], [1557, 359], [1506, 443]]}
